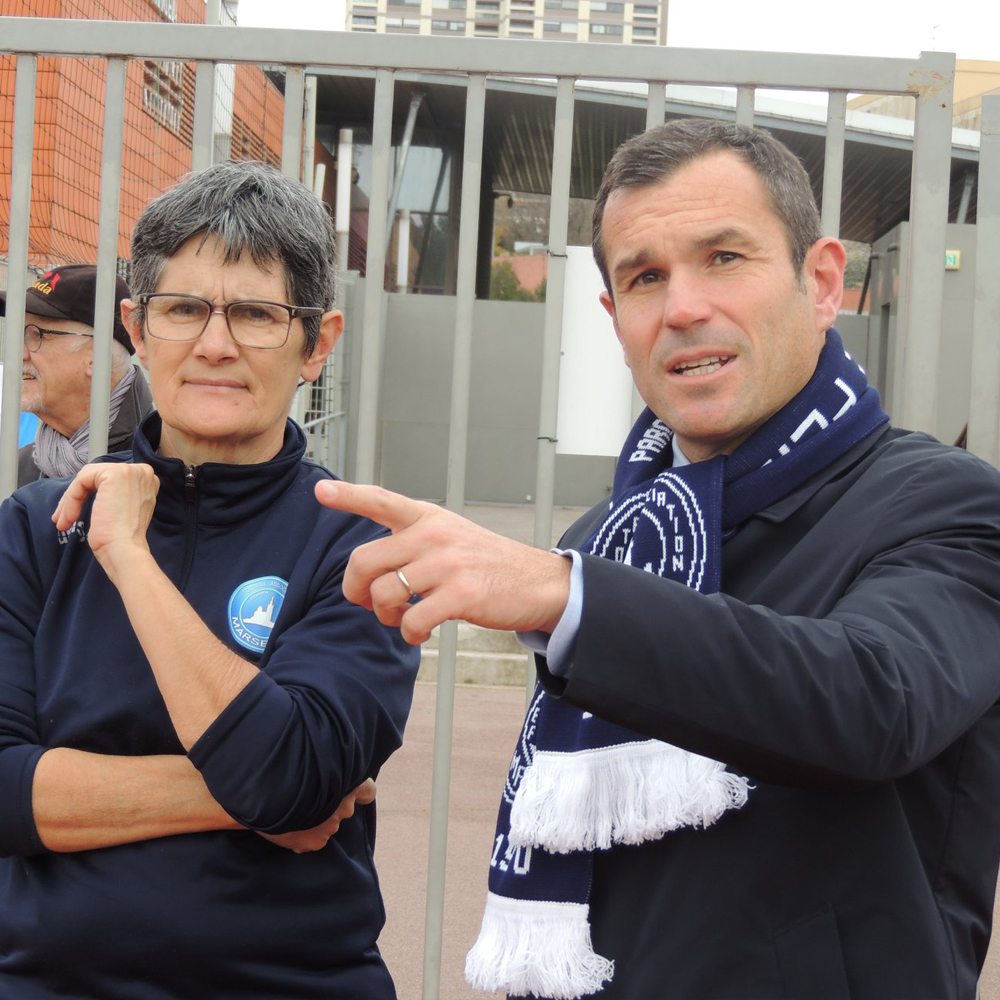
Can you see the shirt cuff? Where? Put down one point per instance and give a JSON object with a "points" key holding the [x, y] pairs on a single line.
{"points": [[558, 648]]}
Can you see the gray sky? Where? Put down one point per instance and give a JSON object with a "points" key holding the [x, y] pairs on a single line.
{"points": [[969, 28]]}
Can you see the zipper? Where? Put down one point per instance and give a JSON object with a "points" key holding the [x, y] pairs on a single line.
{"points": [[190, 522]]}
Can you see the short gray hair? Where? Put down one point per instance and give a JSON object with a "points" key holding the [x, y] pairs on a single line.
{"points": [[652, 156], [251, 208]]}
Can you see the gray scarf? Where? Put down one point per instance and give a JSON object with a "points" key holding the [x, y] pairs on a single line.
{"points": [[57, 456]]}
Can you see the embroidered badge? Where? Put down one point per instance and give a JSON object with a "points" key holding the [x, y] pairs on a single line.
{"points": [[253, 610]]}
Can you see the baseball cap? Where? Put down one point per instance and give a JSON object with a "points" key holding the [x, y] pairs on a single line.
{"points": [[68, 293]]}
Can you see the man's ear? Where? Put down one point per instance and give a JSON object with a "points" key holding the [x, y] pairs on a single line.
{"points": [[609, 306], [132, 323], [330, 328], [823, 271]]}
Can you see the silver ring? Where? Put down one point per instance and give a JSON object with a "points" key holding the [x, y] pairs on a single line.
{"points": [[405, 583]]}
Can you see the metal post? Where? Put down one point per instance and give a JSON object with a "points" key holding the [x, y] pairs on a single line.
{"points": [[922, 300], [202, 139], [744, 105], [342, 210], [107, 253], [403, 251], [554, 290], [371, 346], [984, 399], [404, 152], [458, 443], [309, 147], [17, 273], [656, 104], [833, 167], [291, 138]]}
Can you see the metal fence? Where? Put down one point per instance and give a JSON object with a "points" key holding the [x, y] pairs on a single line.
{"points": [[927, 80]]}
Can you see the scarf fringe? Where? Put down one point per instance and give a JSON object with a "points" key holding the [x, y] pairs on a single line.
{"points": [[622, 794], [530, 947]]}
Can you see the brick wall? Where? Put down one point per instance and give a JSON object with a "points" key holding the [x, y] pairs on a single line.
{"points": [[69, 115]]}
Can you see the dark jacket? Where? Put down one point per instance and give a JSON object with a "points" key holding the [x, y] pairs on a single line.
{"points": [[226, 915], [136, 405], [851, 668]]}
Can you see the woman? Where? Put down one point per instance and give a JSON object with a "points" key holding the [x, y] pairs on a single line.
{"points": [[186, 698]]}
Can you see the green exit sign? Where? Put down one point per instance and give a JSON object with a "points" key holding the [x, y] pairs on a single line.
{"points": [[952, 260]]}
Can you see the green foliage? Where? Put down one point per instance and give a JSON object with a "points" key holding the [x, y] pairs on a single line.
{"points": [[857, 264]]}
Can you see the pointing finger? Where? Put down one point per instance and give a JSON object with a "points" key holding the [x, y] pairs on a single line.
{"points": [[391, 510]]}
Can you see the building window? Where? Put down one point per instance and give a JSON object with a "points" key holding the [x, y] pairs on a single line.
{"points": [[523, 4], [641, 11], [643, 32], [606, 29], [521, 25], [604, 5], [561, 4], [487, 29], [456, 4], [363, 21], [448, 25], [167, 9], [561, 27], [489, 6]]}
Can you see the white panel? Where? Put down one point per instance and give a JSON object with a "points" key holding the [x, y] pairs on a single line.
{"points": [[595, 387]]}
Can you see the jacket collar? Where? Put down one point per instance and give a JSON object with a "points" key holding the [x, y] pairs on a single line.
{"points": [[215, 493], [784, 508]]}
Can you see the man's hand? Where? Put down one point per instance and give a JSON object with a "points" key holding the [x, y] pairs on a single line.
{"points": [[304, 841], [458, 569], [126, 497]]}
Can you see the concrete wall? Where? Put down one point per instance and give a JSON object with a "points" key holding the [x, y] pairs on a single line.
{"points": [[504, 406], [885, 349]]}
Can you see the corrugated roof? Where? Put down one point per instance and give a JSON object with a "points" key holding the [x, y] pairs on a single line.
{"points": [[519, 131]]}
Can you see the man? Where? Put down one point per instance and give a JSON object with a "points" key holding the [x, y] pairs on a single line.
{"points": [[57, 368], [189, 707], [764, 756]]}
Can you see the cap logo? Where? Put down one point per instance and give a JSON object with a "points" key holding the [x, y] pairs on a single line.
{"points": [[253, 610]]}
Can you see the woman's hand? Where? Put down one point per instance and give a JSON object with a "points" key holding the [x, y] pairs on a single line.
{"points": [[304, 841], [125, 499]]}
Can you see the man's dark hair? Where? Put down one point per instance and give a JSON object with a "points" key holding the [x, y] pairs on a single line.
{"points": [[250, 208], [652, 156]]}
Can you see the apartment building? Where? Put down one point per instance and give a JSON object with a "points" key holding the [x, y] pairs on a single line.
{"points": [[629, 22]]}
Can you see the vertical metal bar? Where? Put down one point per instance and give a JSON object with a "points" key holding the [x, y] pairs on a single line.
{"points": [[403, 252], [17, 271], [404, 152], [342, 210], [921, 303], [744, 105], [202, 140], [984, 400], [656, 104], [291, 138], [458, 443], [554, 291], [833, 167], [107, 253], [371, 346], [309, 148]]}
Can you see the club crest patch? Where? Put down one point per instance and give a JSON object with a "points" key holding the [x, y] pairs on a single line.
{"points": [[253, 610]]}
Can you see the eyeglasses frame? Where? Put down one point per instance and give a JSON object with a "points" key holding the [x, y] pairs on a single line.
{"points": [[294, 312], [42, 332]]}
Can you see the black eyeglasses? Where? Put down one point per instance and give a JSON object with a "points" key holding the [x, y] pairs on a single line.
{"points": [[251, 323], [33, 336]]}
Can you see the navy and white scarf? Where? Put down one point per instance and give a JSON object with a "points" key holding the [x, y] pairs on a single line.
{"points": [[579, 784]]}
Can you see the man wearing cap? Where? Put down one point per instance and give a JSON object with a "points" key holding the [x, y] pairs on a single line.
{"points": [[57, 368]]}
